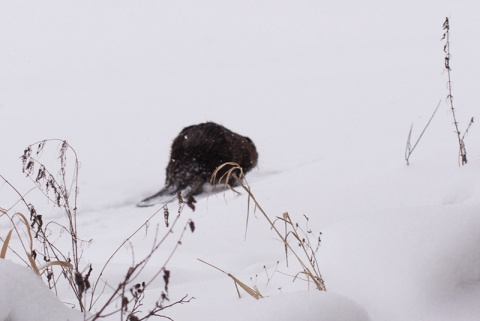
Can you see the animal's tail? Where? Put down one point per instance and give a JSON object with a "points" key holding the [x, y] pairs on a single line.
{"points": [[164, 196]]}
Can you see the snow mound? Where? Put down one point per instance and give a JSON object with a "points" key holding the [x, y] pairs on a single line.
{"points": [[306, 306], [24, 297], [426, 259], [302, 305]]}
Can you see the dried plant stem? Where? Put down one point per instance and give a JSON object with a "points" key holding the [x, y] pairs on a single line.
{"points": [[409, 149], [461, 143]]}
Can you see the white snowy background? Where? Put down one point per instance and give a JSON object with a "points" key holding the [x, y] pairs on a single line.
{"points": [[327, 90]]}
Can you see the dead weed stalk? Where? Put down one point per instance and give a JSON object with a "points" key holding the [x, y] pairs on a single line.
{"points": [[461, 138]]}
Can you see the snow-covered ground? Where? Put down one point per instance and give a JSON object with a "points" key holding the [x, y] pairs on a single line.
{"points": [[326, 90]]}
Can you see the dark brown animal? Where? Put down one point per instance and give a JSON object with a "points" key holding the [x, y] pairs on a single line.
{"points": [[196, 152]]}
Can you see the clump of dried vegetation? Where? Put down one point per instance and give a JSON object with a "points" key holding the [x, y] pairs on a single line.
{"points": [[301, 244], [54, 250]]}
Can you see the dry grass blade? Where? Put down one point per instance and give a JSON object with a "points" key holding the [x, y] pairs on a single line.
{"points": [[253, 292], [7, 240], [5, 244], [409, 149], [228, 175], [33, 264], [60, 263]]}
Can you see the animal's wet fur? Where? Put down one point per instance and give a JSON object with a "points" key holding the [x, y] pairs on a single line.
{"points": [[197, 151]]}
